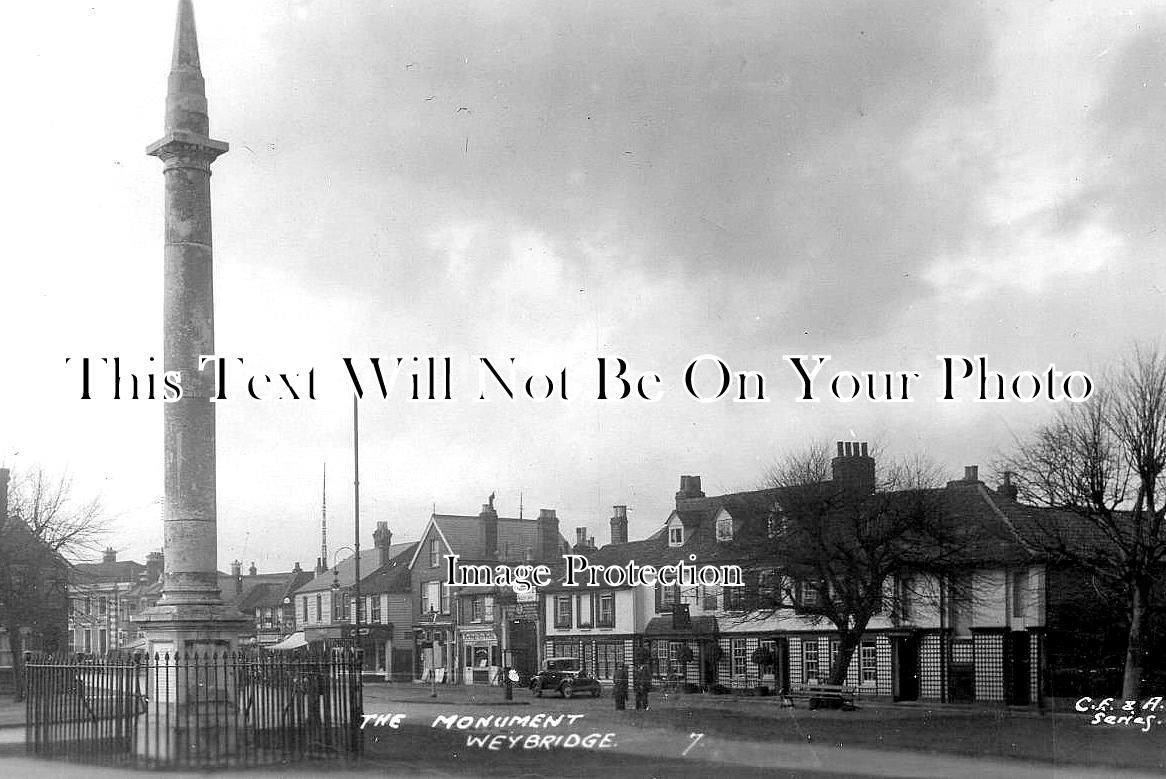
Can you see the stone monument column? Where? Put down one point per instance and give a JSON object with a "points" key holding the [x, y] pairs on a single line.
{"points": [[190, 614]]}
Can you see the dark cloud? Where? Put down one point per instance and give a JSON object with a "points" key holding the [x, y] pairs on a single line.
{"points": [[754, 140]]}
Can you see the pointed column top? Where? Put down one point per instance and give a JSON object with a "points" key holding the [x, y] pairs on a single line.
{"points": [[185, 38], [186, 106]]}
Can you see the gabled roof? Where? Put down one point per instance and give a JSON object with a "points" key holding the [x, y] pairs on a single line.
{"points": [[463, 535], [369, 566]]}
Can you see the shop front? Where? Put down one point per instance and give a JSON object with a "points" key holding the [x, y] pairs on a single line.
{"points": [[480, 651]]}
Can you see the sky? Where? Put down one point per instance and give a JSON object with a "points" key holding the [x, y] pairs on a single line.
{"points": [[883, 183]]}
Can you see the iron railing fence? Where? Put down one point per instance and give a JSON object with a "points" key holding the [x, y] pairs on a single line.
{"points": [[196, 711]]}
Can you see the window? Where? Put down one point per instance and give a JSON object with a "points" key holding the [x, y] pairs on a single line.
{"points": [[319, 608], [374, 608], [676, 536], [709, 598], [477, 609], [810, 659], [562, 611], [434, 553], [869, 663], [442, 598], [102, 606], [811, 593], [584, 610], [835, 651], [725, 529], [666, 597], [304, 601], [771, 645], [606, 616], [734, 598], [1019, 593], [674, 665], [738, 657], [607, 656]]}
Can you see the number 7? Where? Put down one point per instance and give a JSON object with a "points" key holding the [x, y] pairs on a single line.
{"points": [[695, 738]]}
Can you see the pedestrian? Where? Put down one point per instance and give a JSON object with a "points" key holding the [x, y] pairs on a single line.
{"points": [[620, 690], [643, 682]]}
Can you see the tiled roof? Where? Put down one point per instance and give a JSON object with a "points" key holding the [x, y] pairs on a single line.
{"points": [[369, 565], [120, 571], [515, 536]]}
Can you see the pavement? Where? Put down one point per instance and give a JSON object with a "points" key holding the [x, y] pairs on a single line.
{"points": [[648, 743]]}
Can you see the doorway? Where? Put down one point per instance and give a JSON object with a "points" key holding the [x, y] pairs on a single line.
{"points": [[905, 662]]}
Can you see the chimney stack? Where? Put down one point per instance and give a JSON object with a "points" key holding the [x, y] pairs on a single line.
{"points": [[4, 475], [489, 518], [689, 492], [296, 568], [109, 556], [252, 571], [971, 473], [1007, 488], [321, 566], [547, 533], [853, 468], [382, 539], [619, 524], [580, 538], [155, 564]]}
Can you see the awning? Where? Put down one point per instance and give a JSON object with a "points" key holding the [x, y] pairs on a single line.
{"points": [[294, 641], [697, 626]]}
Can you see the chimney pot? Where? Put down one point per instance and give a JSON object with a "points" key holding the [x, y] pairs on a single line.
{"points": [[971, 473], [620, 511], [864, 454], [840, 445], [252, 571], [109, 556]]}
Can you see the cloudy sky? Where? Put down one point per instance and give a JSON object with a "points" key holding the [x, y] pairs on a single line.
{"points": [[878, 182]]}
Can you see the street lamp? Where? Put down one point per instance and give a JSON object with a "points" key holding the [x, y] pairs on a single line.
{"points": [[336, 587]]}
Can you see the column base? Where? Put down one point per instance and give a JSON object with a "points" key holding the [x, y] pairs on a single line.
{"points": [[182, 628]]}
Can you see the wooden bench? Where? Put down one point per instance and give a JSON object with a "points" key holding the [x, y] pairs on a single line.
{"points": [[834, 696]]}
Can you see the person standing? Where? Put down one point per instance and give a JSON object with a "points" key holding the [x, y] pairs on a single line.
{"points": [[643, 682], [620, 689]]}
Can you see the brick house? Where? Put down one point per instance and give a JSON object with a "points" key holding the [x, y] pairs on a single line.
{"points": [[465, 635]]}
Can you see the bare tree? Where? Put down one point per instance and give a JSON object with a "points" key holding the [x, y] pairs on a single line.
{"points": [[1101, 464], [40, 525], [838, 543]]}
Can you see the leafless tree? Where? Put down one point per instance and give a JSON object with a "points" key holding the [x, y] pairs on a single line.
{"points": [[1101, 465], [42, 525], [838, 545]]}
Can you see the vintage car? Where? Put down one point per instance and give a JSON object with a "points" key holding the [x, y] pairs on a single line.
{"points": [[565, 676]]}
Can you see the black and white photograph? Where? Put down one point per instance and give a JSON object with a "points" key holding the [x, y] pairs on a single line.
{"points": [[646, 389]]}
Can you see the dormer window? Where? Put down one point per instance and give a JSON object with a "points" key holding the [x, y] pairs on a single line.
{"points": [[676, 535], [725, 529]]}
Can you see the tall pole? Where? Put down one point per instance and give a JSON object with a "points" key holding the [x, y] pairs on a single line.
{"points": [[356, 505]]}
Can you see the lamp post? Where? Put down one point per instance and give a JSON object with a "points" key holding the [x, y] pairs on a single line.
{"points": [[336, 589]]}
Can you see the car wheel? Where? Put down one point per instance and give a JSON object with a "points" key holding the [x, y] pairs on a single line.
{"points": [[567, 690]]}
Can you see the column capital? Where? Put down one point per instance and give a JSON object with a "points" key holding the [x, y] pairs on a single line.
{"points": [[179, 146]]}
